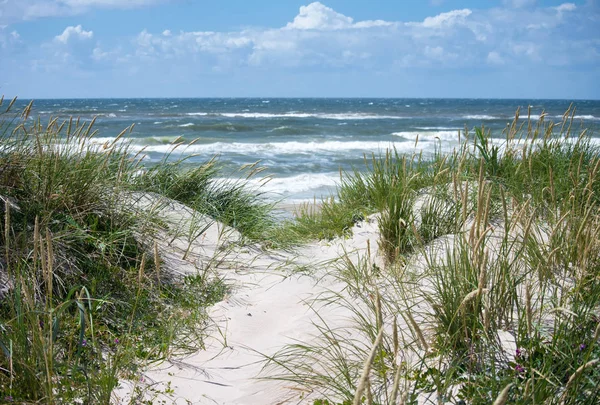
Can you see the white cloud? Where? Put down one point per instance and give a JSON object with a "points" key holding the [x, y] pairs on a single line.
{"points": [[435, 52], [9, 39], [74, 33], [528, 49], [319, 36], [447, 19], [494, 58], [98, 54], [317, 16], [566, 7], [171, 45]]}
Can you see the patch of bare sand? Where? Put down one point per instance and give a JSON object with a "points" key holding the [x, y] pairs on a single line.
{"points": [[268, 307]]}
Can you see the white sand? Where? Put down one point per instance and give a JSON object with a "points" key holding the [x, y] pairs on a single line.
{"points": [[267, 308]]}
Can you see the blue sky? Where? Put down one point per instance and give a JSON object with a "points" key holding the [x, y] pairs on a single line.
{"points": [[289, 48]]}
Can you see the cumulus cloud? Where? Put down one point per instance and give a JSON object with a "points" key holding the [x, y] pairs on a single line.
{"points": [[74, 33], [320, 37], [447, 19], [317, 16]]}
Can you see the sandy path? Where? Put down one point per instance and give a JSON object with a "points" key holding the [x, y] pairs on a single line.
{"points": [[267, 308]]}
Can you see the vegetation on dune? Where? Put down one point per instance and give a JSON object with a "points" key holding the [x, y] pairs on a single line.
{"points": [[491, 291], [82, 302]]}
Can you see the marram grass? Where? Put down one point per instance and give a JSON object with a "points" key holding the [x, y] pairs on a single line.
{"points": [[82, 303], [493, 264]]}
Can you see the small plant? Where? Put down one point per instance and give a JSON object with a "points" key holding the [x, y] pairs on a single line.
{"points": [[489, 153]]}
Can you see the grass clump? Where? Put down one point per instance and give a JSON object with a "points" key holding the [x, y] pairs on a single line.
{"points": [[491, 289], [231, 202], [83, 300]]}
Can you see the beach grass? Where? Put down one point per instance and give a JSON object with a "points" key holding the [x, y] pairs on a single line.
{"points": [[84, 302], [487, 290], [491, 288]]}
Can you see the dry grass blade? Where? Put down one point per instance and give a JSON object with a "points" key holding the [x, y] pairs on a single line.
{"points": [[503, 396], [417, 330], [396, 386], [364, 378], [471, 296]]}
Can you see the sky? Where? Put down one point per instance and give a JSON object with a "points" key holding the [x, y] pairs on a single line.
{"points": [[289, 48]]}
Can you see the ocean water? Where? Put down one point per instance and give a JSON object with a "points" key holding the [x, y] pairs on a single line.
{"points": [[302, 143]]}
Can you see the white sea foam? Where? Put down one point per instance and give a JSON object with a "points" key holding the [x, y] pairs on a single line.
{"points": [[297, 184], [197, 114], [279, 148], [480, 117], [428, 136], [189, 124], [533, 117], [586, 117], [577, 117], [103, 140]]}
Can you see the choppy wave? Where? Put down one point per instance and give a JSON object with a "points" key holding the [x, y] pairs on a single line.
{"points": [[336, 116], [159, 140], [279, 148], [289, 130], [221, 127]]}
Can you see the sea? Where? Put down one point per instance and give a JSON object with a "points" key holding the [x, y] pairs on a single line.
{"points": [[302, 143]]}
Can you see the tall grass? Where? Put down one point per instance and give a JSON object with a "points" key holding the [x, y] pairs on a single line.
{"points": [[493, 263], [82, 303]]}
